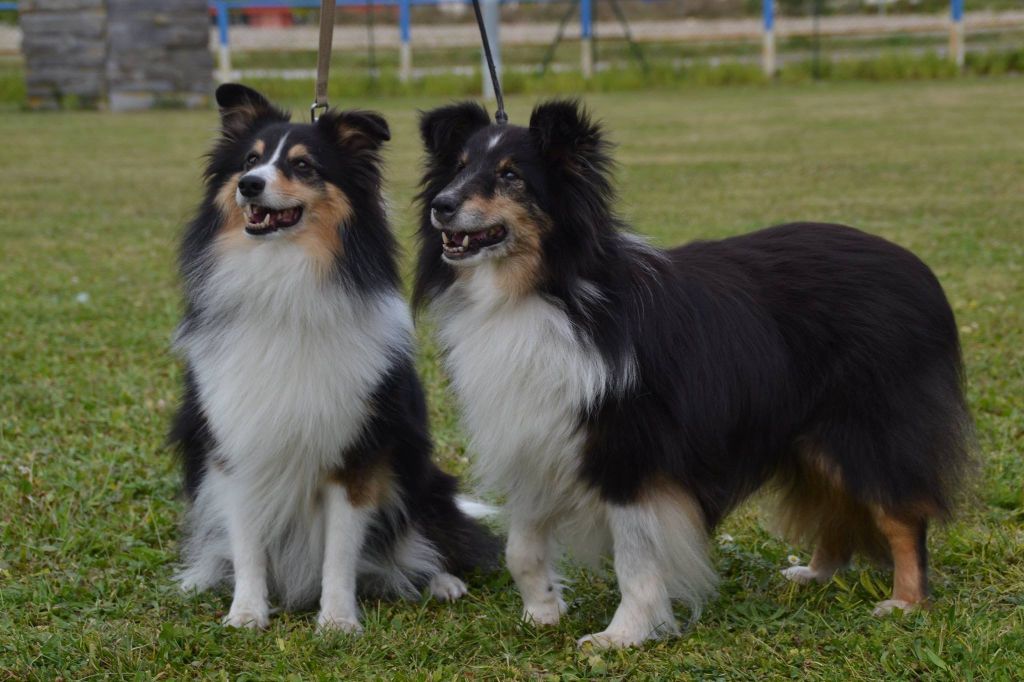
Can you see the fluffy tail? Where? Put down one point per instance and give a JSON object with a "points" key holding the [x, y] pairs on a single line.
{"points": [[451, 523], [475, 509]]}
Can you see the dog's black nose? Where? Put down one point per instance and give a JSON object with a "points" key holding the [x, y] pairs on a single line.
{"points": [[251, 186], [444, 207]]}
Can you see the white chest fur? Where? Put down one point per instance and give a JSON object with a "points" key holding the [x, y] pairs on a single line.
{"points": [[524, 377], [285, 362]]}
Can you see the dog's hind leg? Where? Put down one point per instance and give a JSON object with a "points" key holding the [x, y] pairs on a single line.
{"points": [[907, 543], [815, 507], [832, 553], [530, 561]]}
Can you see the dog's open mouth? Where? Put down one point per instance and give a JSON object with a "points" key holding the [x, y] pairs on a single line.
{"points": [[462, 244], [262, 220]]}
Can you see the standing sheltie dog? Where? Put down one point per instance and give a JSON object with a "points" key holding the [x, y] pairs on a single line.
{"points": [[303, 428], [624, 397]]}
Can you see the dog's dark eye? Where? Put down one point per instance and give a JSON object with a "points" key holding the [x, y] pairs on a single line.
{"points": [[509, 175], [301, 164], [251, 160]]}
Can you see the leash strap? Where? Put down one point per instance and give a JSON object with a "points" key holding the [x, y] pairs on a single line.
{"points": [[323, 62], [500, 117]]}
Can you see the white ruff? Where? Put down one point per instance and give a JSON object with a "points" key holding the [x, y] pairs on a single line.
{"points": [[523, 377], [285, 364]]}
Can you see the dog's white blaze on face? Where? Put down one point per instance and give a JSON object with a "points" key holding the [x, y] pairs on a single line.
{"points": [[268, 171]]}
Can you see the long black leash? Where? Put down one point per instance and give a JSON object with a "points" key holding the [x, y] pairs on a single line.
{"points": [[323, 57], [500, 117]]}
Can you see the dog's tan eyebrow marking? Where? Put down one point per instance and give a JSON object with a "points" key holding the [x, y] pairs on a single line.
{"points": [[506, 164], [259, 147], [297, 151]]}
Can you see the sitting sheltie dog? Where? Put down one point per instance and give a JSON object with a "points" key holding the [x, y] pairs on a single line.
{"points": [[623, 397], [303, 427]]}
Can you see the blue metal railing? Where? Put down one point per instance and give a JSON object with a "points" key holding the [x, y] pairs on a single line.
{"points": [[223, 7]]}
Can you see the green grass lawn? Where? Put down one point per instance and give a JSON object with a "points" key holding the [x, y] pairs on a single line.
{"points": [[89, 500]]}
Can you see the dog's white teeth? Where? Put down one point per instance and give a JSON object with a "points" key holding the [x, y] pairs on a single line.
{"points": [[444, 237], [465, 241]]}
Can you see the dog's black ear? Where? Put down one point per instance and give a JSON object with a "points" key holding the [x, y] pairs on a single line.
{"points": [[446, 129], [566, 135], [241, 108], [356, 130]]}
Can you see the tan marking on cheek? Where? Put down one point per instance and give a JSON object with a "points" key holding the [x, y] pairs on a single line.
{"points": [[232, 228], [321, 236], [520, 270], [366, 486]]}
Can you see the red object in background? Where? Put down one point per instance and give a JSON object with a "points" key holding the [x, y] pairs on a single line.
{"points": [[268, 17]]}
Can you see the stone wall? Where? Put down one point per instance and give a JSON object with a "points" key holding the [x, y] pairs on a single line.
{"points": [[65, 48], [117, 54], [158, 52]]}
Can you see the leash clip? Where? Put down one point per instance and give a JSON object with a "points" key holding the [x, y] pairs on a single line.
{"points": [[312, 110]]}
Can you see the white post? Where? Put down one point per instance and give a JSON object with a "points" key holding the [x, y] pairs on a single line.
{"points": [[224, 43], [586, 39], [956, 32], [405, 33], [405, 62], [768, 47], [490, 10], [224, 64]]}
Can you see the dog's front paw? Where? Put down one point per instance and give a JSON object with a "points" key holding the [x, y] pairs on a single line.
{"points": [[613, 639], [330, 622], [252, 617], [884, 608], [446, 587], [544, 613]]}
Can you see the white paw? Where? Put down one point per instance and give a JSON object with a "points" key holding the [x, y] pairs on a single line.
{"points": [[331, 622], [802, 575], [189, 586], [254, 618], [545, 613], [614, 639], [446, 587], [884, 608]]}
